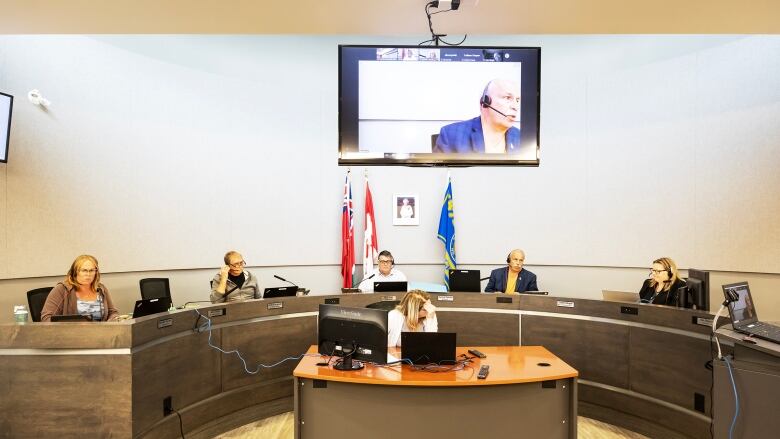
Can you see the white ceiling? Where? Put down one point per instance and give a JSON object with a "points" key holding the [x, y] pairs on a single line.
{"points": [[389, 17]]}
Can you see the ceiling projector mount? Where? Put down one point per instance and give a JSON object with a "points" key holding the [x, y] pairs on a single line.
{"points": [[443, 6]]}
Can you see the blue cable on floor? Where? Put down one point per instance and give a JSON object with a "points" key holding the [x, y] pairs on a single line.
{"points": [[736, 397]]}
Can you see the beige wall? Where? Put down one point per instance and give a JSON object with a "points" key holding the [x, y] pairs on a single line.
{"points": [[159, 153]]}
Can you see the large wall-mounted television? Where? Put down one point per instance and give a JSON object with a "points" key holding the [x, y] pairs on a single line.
{"points": [[439, 106], [6, 106]]}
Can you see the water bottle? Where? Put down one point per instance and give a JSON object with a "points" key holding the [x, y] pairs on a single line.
{"points": [[20, 314]]}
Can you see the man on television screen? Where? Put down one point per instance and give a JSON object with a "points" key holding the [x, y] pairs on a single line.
{"points": [[493, 132]]}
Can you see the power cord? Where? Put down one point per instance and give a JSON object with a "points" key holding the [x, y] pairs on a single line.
{"points": [[207, 327], [181, 426], [736, 398], [730, 297]]}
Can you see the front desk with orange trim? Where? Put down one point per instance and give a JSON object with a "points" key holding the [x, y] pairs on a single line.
{"points": [[528, 390], [640, 366]]}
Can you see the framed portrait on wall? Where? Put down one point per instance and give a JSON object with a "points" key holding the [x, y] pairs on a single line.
{"points": [[406, 210]]}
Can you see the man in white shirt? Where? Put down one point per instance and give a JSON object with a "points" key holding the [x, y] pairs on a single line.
{"points": [[386, 272]]}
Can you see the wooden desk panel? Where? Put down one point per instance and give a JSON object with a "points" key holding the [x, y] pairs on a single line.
{"points": [[185, 368], [670, 367], [48, 396], [517, 396], [481, 328], [571, 332], [598, 350], [70, 335], [266, 343]]}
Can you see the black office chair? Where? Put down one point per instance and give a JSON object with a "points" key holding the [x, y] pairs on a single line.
{"points": [[35, 300], [155, 288], [387, 305]]}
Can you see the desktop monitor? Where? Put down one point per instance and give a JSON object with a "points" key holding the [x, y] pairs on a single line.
{"points": [[352, 333], [698, 284], [465, 281]]}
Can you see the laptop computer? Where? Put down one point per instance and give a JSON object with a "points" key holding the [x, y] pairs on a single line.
{"points": [[428, 347], [743, 314], [466, 281], [148, 307], [71, 318], [620, 296], [390, 287], [272, 293]]}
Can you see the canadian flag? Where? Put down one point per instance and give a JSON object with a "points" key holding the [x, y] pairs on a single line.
{"points": [[370, 246]]}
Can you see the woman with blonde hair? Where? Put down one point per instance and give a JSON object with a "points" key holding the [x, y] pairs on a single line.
{"points": [[662, 288], [415, 313], [80, 293]]}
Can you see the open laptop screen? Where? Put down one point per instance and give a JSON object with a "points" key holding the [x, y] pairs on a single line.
{"points": [[390, 287], [742, 311], [428, 347]]}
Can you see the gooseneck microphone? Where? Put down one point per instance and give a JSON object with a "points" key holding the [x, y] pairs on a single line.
{"points": [[285, 280]]}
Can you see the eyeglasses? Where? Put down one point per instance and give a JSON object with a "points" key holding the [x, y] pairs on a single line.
{"points": [[85, 271], [238, 264], [385, 261], [652, 270]]}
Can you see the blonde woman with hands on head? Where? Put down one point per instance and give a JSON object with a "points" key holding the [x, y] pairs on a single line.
{"points": [[415, 313]]}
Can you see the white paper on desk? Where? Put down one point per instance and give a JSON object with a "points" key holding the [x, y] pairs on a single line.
{"points": [[391, 358]]}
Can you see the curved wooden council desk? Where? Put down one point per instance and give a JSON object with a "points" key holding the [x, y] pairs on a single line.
{"points": [[640, 366], [528, 389]]}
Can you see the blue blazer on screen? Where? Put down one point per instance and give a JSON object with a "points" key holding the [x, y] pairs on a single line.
{"points": [[526, 281], [466, 136]]}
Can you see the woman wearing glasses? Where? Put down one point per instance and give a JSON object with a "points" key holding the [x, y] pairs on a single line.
{"points": [[80, 293], [662, 288], [233, 282], [415, 313]]}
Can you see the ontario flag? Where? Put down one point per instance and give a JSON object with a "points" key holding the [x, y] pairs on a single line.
{"points": [[370, 246], [347, 236]]}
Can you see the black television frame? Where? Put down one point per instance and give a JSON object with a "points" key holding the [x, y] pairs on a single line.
{"points": [[4, 157], [346, 143], [364, 328]]}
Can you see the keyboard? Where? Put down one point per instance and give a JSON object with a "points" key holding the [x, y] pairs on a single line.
{"points": [[765, 332]]}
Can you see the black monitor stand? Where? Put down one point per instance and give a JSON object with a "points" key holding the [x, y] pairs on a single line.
{"points": [[346, 362]]}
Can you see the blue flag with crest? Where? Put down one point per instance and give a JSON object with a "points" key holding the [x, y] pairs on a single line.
{"points": [[447, 233]]}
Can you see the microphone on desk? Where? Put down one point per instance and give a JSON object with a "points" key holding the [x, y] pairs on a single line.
{"points": [[484, 278], [369, 277], [302, 290], [285, 280]]}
